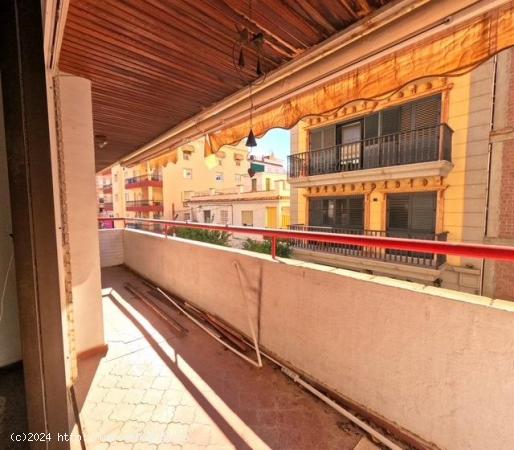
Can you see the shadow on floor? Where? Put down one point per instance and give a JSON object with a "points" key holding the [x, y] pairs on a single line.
{"points": [[13, 412], [188, 389]]}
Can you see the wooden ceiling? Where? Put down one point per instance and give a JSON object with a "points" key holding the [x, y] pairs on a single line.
{"points": [[156, 63]]}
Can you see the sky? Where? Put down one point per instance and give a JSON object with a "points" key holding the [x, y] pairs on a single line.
{"points": [[276, 141]]}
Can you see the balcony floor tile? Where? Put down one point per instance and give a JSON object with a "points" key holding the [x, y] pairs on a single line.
{"points": [[155, 389]]}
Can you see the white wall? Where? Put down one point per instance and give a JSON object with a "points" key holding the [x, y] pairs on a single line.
{"points": [[79, 166], [435, 362], [10, 344], [111, 247]]}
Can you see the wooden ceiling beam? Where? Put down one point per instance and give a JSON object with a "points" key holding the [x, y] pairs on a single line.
{"points": [[79, 47], [139, 49], [156, 63]]}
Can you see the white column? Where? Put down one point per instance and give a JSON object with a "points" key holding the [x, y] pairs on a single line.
{"points": [[77, 140]]}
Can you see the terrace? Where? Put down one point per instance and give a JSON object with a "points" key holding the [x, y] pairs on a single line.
{"points": [[196, 345], [293, 324], [159, 386]]}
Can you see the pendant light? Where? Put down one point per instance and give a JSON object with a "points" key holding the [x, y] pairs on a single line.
{"points": [[250, 140]]}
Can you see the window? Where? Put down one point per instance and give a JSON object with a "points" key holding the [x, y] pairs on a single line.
{"points": [[115, 177], [207, 216], [322, 137], [220, 162], [127, 196], [187, 216], [247, 218], [268, 184], [285, 218], [186, 195], [187, 173], [411, 213], [271, 217], [224, 216], [337, 212], [219, 176], [186, 155], [238, 163], [254, 184], [397, 125], [239, 178]]}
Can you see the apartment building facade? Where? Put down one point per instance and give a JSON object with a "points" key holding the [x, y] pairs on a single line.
{"points": [[192, 172], [160, 188], [415, 165], [259, 201]]}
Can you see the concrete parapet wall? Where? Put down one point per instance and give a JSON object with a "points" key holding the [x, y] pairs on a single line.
{"points": [[111, 247], [435, 362]]}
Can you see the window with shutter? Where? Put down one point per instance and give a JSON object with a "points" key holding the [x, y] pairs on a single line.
{"points": [[322, 138], [371, 126], [412, 213], [427, 112], [337, 212], [390, 121], [316, 139], [247, 218]]}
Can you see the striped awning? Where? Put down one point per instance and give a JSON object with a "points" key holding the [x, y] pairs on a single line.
{"points": [[453, 52]]}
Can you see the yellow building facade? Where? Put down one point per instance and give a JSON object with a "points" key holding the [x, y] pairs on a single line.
{"points": [[160, 188], [414, 165]]}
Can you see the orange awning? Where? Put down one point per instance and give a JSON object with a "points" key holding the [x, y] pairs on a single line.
{"points": [[450, 53]]}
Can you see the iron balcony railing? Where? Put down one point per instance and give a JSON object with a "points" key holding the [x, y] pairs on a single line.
{"points": [[142, 203], [142, 178], [423, 259], [408, 147], [466, 249]]}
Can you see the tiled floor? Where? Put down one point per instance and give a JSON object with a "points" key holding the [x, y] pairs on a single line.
{"points": [[12, 406], [155, 389]]}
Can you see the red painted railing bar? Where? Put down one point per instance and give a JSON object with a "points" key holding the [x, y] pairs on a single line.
{"points": [[416, 245]]}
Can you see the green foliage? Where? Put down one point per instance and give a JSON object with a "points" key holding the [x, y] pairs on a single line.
{"points": [[210, 236], [284, 249]]}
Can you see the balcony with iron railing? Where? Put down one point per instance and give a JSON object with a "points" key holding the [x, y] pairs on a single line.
{"points": [[421, 259], [107, 188], [107, 206], [147, 180], [145, 205], [421, 145]]}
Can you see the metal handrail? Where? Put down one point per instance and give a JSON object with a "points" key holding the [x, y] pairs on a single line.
{"points": [[485, 251], [139, 178], [143, 202], [396, 256], [405, 147]]}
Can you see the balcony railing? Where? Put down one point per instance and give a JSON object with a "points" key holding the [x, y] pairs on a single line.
{"points": [[408, 147], [466, 249], [144, 180], [143, 205], [429, 260], [107, 206], [107, 188]]}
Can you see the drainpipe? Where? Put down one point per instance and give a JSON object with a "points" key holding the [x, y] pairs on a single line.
{"points": [[489, 161]]}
